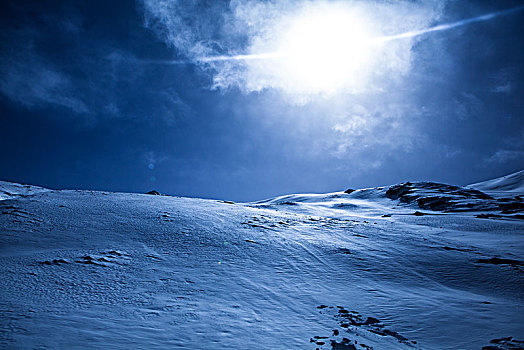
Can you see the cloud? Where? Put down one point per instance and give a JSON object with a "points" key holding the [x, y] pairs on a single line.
{"points": [[29, 80], [51, 61], [192, 27], [467, 105], [503, 89], [198, 30], [503, 81], [505, 156], [29, 77], [511, 150], [362, 126], [99, 86], [170, 106], [378, 131]]}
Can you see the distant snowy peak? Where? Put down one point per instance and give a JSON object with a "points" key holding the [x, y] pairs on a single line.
{"points": [[429, 196], [509, 183], [10, 190], [441, 197]]}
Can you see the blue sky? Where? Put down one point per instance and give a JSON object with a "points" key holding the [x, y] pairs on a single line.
{"points": [[116, 96]]}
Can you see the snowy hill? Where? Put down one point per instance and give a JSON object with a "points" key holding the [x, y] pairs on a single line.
{"points": [[509, 183], [428, 196], [11, 190], [409, 266]]}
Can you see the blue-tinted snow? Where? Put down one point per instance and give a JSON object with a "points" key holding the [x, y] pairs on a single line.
{"points": [[84, 269]]}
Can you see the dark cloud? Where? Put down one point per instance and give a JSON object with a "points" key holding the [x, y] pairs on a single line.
{"points": [[63, 56]]}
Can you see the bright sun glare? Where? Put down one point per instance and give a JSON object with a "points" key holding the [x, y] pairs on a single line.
{"points": [[327, 47], [325, 50]]}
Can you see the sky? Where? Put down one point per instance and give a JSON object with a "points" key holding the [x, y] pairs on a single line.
{"points": [[244, 100]]}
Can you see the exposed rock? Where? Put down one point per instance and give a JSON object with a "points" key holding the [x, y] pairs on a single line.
{"points": [[500, 261]]}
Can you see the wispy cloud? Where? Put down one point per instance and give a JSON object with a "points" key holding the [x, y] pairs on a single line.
{"points": [[100, 86], [504, 81], [504, 156], [220, 38], [28, 79], [512, 150]]}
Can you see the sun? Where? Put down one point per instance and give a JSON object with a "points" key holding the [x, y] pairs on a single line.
{"points": [[325, 50], [319, 48]]}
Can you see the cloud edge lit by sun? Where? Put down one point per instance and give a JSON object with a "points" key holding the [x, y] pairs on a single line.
{"points": [[265, 27]]}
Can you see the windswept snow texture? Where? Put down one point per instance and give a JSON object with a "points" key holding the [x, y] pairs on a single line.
{"points": [[510, 183], [410, 266], [11, 190]]}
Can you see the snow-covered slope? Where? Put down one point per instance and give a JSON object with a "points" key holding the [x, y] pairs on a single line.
{"points": [[97, 270], [509, 183], [429, 197], [11, 190]]}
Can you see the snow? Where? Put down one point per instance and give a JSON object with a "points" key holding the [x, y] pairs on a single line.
{"points": [[513, 183], [11, 190], [87, 269]]}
